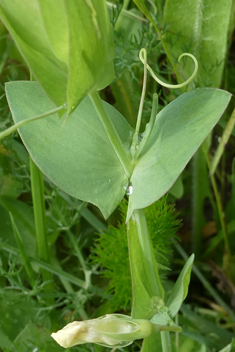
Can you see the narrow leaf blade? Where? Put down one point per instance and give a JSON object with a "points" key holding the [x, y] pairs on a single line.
{"points": [[180, 289]]}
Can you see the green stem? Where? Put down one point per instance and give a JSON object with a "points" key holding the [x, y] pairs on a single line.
{"points": [[13, 128], [39, 211], [148, 253], [220, 210], [145, 277], [166, 341], [149, 127], [37, 186], [114, 138], [200, 190], [224, 139]]}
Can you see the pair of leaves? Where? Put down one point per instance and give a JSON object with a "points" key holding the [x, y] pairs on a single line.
{"points": [[79, 158], [67, 45]]}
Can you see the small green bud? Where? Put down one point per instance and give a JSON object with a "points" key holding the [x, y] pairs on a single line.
{"points": [[111, 330]]}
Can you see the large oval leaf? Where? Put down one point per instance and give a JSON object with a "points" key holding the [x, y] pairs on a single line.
{"points": [[77, 156], [179, 130]]}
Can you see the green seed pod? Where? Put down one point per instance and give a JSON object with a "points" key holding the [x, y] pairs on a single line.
{"points": [[67, 44]]}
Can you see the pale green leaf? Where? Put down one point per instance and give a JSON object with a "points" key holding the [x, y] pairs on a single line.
{"points": [[199, 27], [90, 48], [180, 289], [77, 156], [24, 22], [56, 26], [179, 130], [68, 45]]}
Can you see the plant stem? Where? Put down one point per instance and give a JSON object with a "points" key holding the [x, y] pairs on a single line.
{"points": [[114, 138], [224, 139], [146, 282], [37, 186], [149, 127], [145, 277], [220, 210], [13, 128], [200, 190], [166, 341], [39, 210]]}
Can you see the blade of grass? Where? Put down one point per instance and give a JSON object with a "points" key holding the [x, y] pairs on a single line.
{"points": [[220, 211], [93, 220], [224, 139], [25, 258], [166, 341], [40, 221]]}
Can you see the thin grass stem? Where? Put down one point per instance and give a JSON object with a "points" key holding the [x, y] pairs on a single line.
{"points": [[220, 210], [224, 139]]}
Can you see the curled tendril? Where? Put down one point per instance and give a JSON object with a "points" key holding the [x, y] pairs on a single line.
{"points": [[143, 59]]}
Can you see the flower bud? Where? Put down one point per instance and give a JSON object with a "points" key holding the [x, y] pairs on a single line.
{"points": [[111, 330]]}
